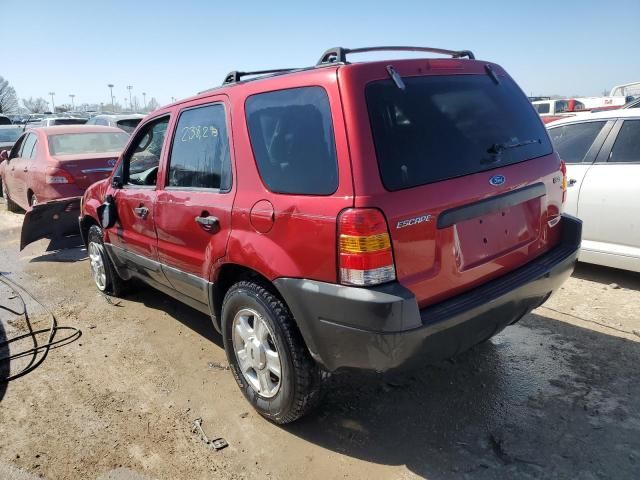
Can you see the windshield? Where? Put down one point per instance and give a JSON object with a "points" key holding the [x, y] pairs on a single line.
{"points": [[443, 127], [76, 143], [128, 125], [9, 134]]}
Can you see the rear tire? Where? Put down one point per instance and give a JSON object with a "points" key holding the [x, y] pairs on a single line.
{"points": [[267, 354], [103, 272], [10, 204]]}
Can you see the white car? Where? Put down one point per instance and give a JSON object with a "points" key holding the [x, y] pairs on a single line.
{"points": [[602, 153]]}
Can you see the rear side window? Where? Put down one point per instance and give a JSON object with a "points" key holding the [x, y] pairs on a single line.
{"points": [[627, 146], [28, 146], [292, 139], [442, 127], [574, 141], [542, 108], [200, 152]]}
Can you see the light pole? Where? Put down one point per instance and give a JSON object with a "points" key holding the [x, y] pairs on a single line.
{"points": [[144, 98], [73, 107], [111, 90], [173, 99], [130, 87], [53, 106]]}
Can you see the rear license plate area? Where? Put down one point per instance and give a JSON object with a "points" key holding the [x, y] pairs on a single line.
{"points": [[486, 237]]}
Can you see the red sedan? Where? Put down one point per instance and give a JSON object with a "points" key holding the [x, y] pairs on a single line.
{"points": [[58, 162]]}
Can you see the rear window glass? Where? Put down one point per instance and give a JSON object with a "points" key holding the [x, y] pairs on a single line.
{"points": [[573, 141], [442, 127], [128, 125], [292, 139], [77, 143], [68, 121]]}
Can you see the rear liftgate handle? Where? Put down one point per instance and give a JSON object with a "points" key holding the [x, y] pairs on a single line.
{"points": [[208, 223]]}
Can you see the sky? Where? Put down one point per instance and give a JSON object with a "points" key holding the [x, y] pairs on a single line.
{"points": [[177, 48]]}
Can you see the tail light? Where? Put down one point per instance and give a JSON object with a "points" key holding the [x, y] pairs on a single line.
{"points": [[58, 175], [563, 169], [364, 248]]}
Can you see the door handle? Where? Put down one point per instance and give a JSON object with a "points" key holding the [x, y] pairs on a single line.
{"points": [[572, 182], [208, 223], [142, 212]]}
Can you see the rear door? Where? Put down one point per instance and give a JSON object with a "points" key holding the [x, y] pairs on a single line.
{"points": [[133, 239], [193, 212], [609, 202], [578, 145], [470, 184], [19, 168]]}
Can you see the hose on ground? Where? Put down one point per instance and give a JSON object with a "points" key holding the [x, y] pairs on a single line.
{"points": [[38, 352]]}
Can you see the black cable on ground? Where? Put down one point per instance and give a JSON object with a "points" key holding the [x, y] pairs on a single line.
{"points": [[38, 352]]}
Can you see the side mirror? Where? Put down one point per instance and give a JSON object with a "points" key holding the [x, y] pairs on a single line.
{"points": [[116, 182], [4, 155]]}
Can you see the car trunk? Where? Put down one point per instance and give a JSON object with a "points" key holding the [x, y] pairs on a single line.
{"points": [[470, 185], [88, 168]]}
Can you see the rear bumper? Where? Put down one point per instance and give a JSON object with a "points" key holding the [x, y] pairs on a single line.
{"points": [[382, 328]]}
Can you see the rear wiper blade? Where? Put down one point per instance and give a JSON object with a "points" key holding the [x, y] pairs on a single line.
{"points": [[500, 147]]}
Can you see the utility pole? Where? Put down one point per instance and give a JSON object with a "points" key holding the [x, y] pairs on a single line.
{"points": [[53, 105], [111, 89], [73, 107], [173, 99], [130, 87], [144, 98]]}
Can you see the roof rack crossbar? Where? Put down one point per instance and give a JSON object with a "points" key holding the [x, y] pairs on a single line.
{"points": [[339, 54], [236, 76]]}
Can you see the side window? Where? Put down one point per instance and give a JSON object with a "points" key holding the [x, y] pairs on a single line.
{"points": [[542, 108], [140, 166], [292, 139], [573, 141], [627, 146], [28, 146], [15, 150], [200, 152]]}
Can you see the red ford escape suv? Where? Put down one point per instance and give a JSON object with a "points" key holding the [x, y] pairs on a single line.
{"points": [[348, 215]]}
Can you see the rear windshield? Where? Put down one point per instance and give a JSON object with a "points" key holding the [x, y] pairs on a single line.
{"points": [[442, 127], [128, 125], [77, 143], [10, 134], [69, 121]]}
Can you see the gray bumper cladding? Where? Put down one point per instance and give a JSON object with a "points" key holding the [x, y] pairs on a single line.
{"points": [[382, 328]]}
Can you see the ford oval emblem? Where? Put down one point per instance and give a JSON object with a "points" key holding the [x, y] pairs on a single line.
{"points": [[497, 180]]}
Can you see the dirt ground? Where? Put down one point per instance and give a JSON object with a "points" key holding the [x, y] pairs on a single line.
{"points": [[555, 396]]}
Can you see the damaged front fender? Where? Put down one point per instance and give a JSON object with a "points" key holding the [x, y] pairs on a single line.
{"points": [[54, 220]]}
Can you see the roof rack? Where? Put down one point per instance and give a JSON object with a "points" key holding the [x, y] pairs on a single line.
{"points": [[339, 54], [236, 76]]}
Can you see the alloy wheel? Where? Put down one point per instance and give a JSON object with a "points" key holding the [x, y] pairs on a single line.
{"points": [[256, 352]]}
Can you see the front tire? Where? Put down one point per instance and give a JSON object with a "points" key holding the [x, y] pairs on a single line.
{"points": [[267, 354], [103, 272]]}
